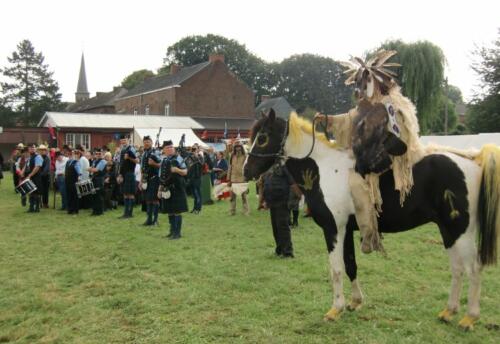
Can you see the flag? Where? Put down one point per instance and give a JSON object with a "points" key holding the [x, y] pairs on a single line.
{"points": [[52, 132], [225, 129], [204, 135]]}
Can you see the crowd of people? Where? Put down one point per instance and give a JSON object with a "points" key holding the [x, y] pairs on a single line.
{"points": [[157, 179]]}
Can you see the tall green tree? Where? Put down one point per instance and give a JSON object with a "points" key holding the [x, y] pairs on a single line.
{"points": [[421, 76], [312, 81], [30, 89], [484, 111], [196, 49], [136, 78]]}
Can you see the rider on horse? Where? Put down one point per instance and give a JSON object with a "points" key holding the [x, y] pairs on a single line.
{"points": [[382, 131]]}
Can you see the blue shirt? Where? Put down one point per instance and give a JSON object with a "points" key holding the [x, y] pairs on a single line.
{"points": [[179, 159], [38, 161], [78, 168], [101, 165]]}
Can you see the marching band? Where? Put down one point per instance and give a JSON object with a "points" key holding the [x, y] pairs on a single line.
{"points": [[105, 178]]}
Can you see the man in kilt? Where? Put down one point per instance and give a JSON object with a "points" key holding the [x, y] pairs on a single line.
{"points": [[126, 176], [98, 171], [33, 171], [150, 164], [172, 173]]}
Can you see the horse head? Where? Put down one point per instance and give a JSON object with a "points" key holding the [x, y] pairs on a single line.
{"points": [[267, 140]]}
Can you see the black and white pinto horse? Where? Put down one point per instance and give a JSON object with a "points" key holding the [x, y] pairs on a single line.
{"points": [[459, 194]]}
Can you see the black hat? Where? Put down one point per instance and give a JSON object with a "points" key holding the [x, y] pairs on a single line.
{"points": [[123, 136], [97, 150], [58, 153], [167, 143], [147, 137]]}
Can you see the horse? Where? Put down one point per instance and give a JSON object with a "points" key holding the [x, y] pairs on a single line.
{"points": [[461, 195]]}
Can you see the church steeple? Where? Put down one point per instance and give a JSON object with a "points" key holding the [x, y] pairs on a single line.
{"points": [[82, 93]]}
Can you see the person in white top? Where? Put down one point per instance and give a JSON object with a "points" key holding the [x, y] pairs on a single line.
{"points": [[61, 161], [85, 201]]}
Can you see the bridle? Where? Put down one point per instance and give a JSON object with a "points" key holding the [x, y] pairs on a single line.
{"points": [[280, 154]]}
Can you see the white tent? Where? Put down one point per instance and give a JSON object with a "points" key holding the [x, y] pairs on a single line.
{"points": [[463, 141], [168, 134]]}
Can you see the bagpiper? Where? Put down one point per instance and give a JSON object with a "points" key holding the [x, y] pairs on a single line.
{"points": [[150, 181], [173, 188]]}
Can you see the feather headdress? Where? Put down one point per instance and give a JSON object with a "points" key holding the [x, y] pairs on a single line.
{"points": [[376, 67]]}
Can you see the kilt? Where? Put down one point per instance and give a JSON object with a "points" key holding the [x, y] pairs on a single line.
{"points": [[177, 203], [128, 185], [151, 192]]}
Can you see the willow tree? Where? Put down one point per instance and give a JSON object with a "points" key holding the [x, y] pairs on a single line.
{"points": [[421, 76]]}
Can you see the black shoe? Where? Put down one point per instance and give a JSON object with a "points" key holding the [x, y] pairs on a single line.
{"points": [[175, 237], [125, 216], [287, 255], [147, 223], [155, 224]]}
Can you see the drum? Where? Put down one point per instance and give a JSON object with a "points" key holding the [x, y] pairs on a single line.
{"points": [[26, 187], [84, 188]]}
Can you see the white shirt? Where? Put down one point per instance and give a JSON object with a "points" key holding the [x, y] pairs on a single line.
{"points": [[84, 163], [61, 165], [138, 176]]}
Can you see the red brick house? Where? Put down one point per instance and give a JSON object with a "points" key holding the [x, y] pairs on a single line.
{"points": [[207, 92]]}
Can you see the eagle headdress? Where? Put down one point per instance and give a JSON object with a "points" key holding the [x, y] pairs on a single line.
{"points": [[373, 74]]}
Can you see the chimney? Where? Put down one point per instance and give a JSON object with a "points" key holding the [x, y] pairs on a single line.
{"points": [[264, 97], [174, 68], [216, 57]]}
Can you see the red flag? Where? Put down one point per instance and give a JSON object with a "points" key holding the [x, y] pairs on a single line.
{"points": [[204, 135], [52, 132]]}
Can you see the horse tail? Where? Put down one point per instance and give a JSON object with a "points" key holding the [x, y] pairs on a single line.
{"points": [[489, 203]]}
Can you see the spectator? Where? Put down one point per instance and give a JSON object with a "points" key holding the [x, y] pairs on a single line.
{"points": [[236, 180], [61, 161]]}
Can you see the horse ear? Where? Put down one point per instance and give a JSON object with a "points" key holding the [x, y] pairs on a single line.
{"points": [[271, 115]]}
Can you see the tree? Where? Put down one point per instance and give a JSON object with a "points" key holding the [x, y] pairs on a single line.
{"points": [[31, 90], [196, 49], [136, 78], [313, 81], [488, 67], [421, 76], [484, 111], [483, 116], [436, 126]]}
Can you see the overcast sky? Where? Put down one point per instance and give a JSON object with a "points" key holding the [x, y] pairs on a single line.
{"points": [[119, 37]]}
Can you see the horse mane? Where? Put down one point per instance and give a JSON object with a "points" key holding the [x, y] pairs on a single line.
{"points": [[297, 125]]}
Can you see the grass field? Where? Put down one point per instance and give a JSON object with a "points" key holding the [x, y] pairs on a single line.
{"points": [[82, 279]]}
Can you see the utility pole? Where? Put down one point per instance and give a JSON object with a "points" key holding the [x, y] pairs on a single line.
{"points": [[446, 107]]}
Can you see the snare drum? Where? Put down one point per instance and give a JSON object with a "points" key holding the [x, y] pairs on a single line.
{"points": [[26, 187], [84, 188]]}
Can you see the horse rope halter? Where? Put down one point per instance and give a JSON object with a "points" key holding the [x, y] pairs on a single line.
{"points": [[280, 154]]}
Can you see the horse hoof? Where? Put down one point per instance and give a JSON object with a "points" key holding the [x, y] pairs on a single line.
{"points": [[446, 315], [333, 314], [354, 305], [467, 323]]}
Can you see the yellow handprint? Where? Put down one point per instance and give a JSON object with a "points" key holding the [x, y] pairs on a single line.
{"points": [[308, 179]]}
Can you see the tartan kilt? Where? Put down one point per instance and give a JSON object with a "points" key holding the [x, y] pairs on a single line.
{"points": [[128, 185], [177, 203], [151, 192]]}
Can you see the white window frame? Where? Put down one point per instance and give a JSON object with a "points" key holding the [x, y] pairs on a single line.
{"points": [[74, 139], [167, 109]]}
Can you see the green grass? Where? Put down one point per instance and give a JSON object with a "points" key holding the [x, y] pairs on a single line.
{"points": [[81, 279]]}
